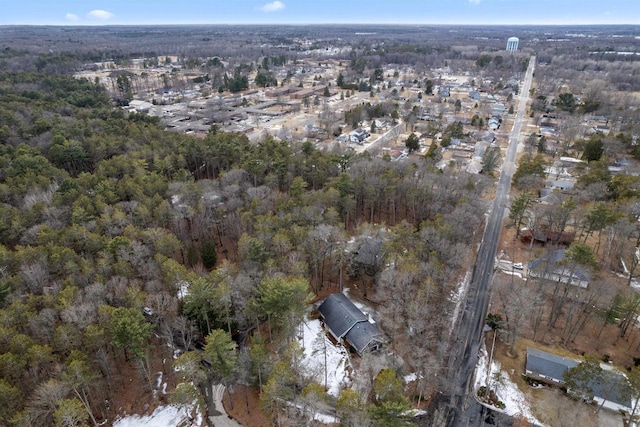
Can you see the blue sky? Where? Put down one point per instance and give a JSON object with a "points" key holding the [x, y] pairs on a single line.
{"points": [[480, 12]]}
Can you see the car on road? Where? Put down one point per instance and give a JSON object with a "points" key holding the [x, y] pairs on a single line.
{"points": [[517, 265]]}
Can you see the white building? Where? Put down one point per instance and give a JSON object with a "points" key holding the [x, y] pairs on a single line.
{"points": [[512, 44]]}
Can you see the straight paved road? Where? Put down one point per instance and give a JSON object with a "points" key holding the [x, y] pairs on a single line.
{"points": [[460, 407]]}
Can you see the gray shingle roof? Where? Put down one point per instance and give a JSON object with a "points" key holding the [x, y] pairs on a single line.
{"points": [[609, 389], [362, 334], [340, 314], [369, 251], [547, 364], [551, 263], [345, 320], [553, 366]]}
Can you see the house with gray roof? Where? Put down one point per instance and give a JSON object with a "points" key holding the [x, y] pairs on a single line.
{"points": [[547, 367], [348, 325], [370, 252], [552, 266], [560, 184], [551, 368]]}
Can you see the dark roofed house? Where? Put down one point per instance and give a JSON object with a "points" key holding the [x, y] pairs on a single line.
{"points": [[369, 252], [550, 368], [547, 367], [608, 392], [348, 324], [551, 267]]}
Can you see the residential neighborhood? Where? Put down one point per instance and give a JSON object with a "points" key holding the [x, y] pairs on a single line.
{"points": [[366, 224]]}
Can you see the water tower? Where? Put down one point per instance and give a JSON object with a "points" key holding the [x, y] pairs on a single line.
{"points": [[512, 44]]}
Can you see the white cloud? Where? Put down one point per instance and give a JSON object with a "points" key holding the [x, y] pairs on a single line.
{"points": [[100, 14], [273, 6], [71, 17], [474, 1]]}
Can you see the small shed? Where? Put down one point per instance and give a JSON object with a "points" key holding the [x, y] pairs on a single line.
{"points": [[347, 324]]}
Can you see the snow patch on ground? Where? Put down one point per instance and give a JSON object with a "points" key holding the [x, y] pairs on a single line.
{"points": [[163, 416], [410, 377], [314, 342], [634, 283], [326, 419], [183, 289], [457, 298], [414, 412], [316, 416], [507, 391]]}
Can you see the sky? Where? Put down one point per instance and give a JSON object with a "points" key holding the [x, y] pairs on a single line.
{"points": [[464, 12]]}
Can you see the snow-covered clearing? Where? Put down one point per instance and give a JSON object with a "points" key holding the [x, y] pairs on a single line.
{"points": [[163, 416], [507, 391], [314, 343]]}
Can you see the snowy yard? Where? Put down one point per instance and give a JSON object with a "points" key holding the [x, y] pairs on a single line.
{"points": [[314, 342], [163, 416], [507, 391]]}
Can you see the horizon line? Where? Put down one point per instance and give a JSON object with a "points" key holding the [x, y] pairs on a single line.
{"points": [[289, 24]]}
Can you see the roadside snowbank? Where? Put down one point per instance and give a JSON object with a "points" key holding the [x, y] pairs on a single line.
{"points": [[458, 297], [507, 391]]}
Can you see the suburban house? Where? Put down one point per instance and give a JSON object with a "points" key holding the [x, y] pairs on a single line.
{"points": [[620, 166], [568, 162], [475, 95], [560, 184], [444, 91], [547, 367], [280, 91], [546, 236], [485, 136], [358, 136], [602, 129], [550, 368], [347, 324], [428, 117], [551, 267]]}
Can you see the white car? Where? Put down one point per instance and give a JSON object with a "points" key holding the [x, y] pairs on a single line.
{"points": [[517, 265]]}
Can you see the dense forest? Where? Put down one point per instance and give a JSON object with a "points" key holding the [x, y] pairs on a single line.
{"points": [[106, 220]]}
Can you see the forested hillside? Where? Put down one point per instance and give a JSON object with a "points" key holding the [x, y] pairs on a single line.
{"points": [[118, 237]]}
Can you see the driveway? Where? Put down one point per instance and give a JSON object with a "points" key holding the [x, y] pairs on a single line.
{"points": [[218, 416]]}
